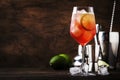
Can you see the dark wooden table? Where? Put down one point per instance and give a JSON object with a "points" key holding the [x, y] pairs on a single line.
{"points": [[38, 74]]}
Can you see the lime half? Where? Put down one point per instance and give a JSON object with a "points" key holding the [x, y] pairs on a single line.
{"points": [[61, 61]]}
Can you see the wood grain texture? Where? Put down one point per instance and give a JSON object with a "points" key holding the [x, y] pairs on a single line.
{"points": [[32, 31]]}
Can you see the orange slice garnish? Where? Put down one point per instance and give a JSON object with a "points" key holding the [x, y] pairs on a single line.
{"points": [[88, 21]]}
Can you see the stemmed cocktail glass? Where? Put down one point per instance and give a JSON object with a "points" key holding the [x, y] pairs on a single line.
{"points": [[83, 27]]}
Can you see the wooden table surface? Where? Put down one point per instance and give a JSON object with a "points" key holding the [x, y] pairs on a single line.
{"points": [[38, 74]]}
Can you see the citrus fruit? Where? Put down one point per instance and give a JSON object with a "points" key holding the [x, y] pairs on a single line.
{"points": [[102, 63], [88, 21], [61, 61], [67, 58]]}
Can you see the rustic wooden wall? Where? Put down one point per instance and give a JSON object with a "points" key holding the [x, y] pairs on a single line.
{"points": [[31, 31]]}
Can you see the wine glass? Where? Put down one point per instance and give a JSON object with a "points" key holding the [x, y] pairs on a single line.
{"points": [[83, 27]]}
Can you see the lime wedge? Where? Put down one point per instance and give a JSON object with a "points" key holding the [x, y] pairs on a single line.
{"points": [[101, 63]]}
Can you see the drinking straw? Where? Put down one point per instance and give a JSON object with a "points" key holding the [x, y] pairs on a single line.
{"points": [[111, 25]]}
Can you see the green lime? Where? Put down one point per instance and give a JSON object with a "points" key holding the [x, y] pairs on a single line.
{"points": [[67, 58], [101, 62], [60, 62]]}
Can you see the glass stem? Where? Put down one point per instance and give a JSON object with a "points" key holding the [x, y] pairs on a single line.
{"points": [[83, 54]]}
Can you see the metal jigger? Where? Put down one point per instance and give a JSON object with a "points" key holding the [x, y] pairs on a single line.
{"points": [[101, 50], [97, 48]]}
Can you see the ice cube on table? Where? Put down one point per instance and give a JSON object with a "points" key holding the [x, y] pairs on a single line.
{"points": [[78, 58], [77, 63], [103, 70], [75, 70]]}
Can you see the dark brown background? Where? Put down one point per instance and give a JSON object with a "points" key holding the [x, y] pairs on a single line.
{"points": [[32, 31]]}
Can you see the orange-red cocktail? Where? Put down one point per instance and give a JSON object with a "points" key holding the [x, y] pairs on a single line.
{"points": [[82, 27]]}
